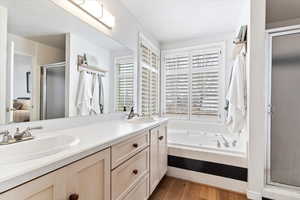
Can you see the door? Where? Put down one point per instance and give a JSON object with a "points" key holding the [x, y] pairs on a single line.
{"points": [[90, 178], [48, 187], [10, 82], [154, 159], [162, 151], [284, 140]]}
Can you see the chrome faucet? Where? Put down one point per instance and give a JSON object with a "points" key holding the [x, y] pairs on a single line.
{"points": [[19, 136], [26, 133], [132, 114]]}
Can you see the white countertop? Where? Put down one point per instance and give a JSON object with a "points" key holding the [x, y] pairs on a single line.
{"points": [[93, 138]]}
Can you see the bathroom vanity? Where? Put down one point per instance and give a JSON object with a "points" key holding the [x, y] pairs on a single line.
{"points": [[127, 167]]}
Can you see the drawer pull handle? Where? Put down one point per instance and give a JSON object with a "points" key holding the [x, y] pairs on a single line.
{"points": [[74, 197], [135, 145], [135, 172], [161, 138]]}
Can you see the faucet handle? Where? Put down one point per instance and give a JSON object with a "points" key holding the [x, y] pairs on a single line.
{"points": [[4, 133], [6, 137]]}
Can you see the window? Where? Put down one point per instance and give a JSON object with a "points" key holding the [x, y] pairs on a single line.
{"points": [[193, 83], [124, 83], [149, 79]]}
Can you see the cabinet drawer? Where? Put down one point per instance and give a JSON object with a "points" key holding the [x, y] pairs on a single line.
{"points": [[126, 149], [140, 191], [126, 176]]}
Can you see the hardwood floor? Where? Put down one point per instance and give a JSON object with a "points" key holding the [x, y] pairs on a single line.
{"points": [[176, 189]]}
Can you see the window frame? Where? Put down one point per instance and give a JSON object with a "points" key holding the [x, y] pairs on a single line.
{"points": [[191, 50]]}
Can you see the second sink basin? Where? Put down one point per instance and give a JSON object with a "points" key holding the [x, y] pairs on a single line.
{"points": [[36, 148]]}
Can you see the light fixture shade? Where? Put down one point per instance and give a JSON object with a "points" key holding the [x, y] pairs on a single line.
{"points": [[96, 10]]}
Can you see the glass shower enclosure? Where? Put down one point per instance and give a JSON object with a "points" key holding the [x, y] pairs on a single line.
{"points": [[52, 91], [283, 155]]}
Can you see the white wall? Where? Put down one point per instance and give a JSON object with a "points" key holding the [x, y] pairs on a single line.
{"points": [[126, 29], [41, 54], [3, 49], [256, 99], [22, 65], [101, 57]]}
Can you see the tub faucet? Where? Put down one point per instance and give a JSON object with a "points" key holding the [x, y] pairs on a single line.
{"points": [[226, 143]]}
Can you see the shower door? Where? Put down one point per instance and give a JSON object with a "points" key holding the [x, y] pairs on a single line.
{"points": [[52, 92], [284, 109]]}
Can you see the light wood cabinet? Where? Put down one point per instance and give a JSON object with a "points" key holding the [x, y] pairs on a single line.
{"points": [[129, 170], [154, 159], [48, 187], [88, 178], [158, 155], [163, 151], [140, 191], [126, 176], [126, 149]]}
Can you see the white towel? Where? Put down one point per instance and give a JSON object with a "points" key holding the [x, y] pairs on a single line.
{"points": [[84, 95], [236, 95], [95, 104]]}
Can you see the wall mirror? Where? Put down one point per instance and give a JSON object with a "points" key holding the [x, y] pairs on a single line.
{"points": [[42, 74]]}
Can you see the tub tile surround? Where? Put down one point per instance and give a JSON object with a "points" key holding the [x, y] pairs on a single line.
{"points": [[206, 167], [94, 135]]}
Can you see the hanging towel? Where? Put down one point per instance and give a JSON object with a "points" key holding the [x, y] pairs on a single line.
{"points": [[84, 95], [101, 95], [95, 104], [236, 96]]}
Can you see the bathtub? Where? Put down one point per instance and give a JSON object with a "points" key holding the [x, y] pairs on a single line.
{"points": [[207, 141], [209, 158]]}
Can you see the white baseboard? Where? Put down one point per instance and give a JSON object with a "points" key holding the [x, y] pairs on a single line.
{"points": [[207, 179], [254, 195]]}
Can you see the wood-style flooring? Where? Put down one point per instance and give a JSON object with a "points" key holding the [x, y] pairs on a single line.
{"points": [[176, 189]]}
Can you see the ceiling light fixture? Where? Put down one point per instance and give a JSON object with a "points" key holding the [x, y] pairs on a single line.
{"points": [[95, 8]]}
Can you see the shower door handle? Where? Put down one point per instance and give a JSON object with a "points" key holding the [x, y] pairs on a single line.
{"points": [[270, 109]]}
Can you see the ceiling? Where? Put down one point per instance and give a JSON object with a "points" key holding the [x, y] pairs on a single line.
{"points": [[43, 21], [282, 10], [171, 20]]}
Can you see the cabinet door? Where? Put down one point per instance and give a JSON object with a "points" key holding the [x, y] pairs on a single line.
{"points": [[162, 151], [90, 177], [154, 159], [48, 187]]}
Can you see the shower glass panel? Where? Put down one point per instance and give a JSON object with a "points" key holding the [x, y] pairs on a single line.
{"points": [[285, 103], [53, 92]]}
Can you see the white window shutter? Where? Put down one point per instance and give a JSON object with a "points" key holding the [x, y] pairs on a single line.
{"points": [[150, 81], [205, 95], [124, 84], [177, 86], [192, 84]]}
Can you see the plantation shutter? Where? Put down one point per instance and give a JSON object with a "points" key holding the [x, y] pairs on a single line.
{"points": [[205, 94], [149, 81], [124, 84], [177, 85], [192, 84]]}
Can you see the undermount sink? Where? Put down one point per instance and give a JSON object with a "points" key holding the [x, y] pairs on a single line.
{"points": [[141, 120], [36, 148]]}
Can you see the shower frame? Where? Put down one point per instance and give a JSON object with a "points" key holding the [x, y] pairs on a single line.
{"points": [[270, 34]]}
